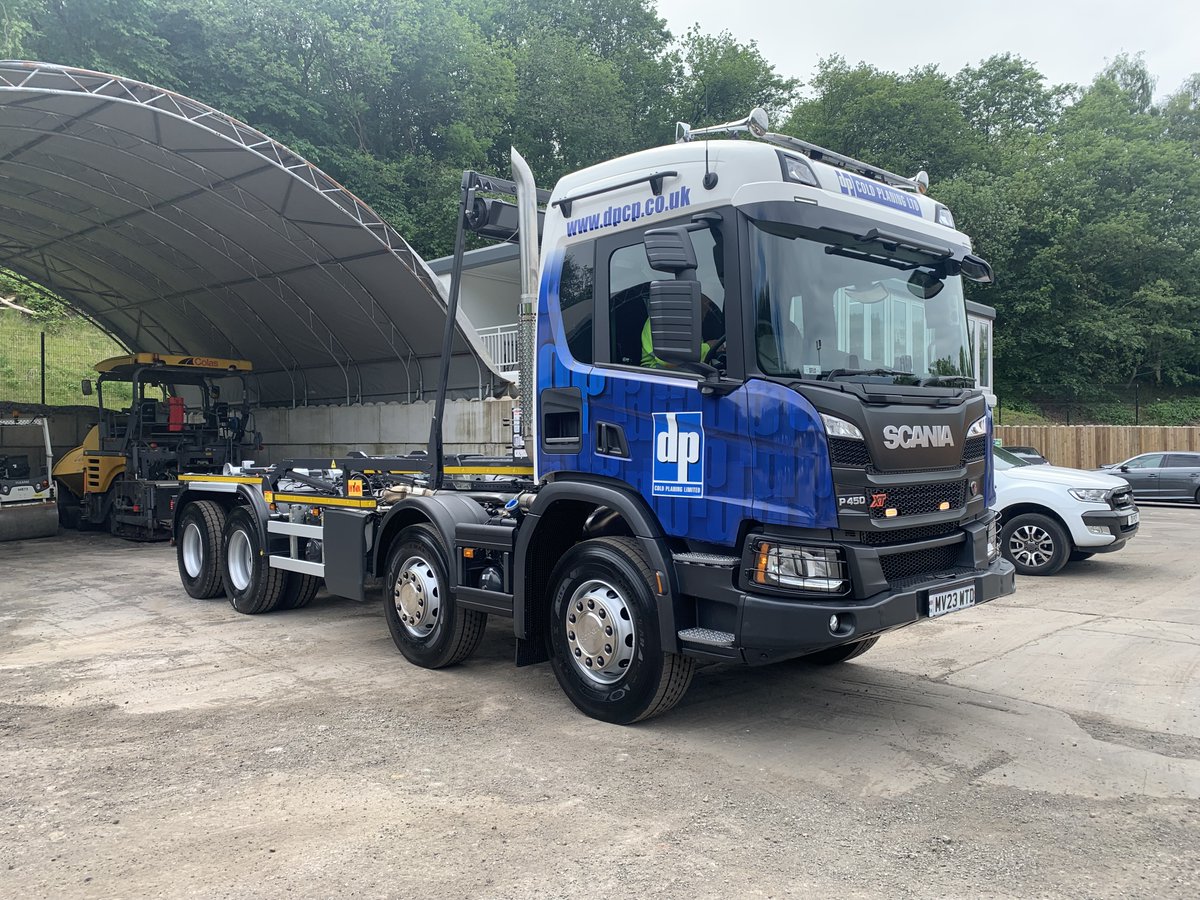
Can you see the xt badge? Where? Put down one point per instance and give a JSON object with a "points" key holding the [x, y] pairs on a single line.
{"points": [[678, 455]]}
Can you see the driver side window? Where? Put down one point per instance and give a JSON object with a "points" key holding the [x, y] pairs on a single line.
{"points": [[629, 279], [1149, 461]]}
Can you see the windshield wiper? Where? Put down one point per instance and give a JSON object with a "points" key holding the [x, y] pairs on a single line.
{"points": [[846, 373], [947, 381]]}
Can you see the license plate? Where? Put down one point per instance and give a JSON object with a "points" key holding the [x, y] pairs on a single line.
{"points": [[1133, 518], [952, 600]]}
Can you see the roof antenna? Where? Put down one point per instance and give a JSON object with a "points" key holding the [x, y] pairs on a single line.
{"points": [[710, 177], [755, 123]]}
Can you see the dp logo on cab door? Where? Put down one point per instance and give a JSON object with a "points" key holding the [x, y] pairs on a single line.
{"points": [[678, 455]]}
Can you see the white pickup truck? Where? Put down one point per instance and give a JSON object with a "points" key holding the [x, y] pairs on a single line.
{"points": [[1051, 516]]}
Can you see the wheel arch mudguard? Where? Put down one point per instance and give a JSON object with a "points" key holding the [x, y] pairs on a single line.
{"points": [[443, 511], [228, 495], [531, 588]]}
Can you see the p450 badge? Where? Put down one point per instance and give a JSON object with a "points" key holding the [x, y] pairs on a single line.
{"points": [[852, 501]]}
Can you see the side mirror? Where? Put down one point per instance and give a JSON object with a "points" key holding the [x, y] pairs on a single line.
{"points": [[1124, 468], [86, 387], [977, 269], [675, 321], [671, 250]]}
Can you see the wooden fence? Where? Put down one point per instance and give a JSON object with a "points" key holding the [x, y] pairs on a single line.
{"points": [[1091, 446]]}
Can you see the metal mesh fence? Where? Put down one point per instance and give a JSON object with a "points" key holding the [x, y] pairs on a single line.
{"points": [[43, 360], [1103, 404]]}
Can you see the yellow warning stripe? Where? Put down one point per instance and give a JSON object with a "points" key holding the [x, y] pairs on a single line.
{"points": [[489, 470], [318, 500], [224, 479]]}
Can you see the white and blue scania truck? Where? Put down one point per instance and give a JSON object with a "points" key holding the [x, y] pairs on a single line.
{"points": [[754, 436]]}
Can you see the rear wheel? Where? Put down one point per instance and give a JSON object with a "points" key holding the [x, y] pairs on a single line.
{"points": [[299, 591], [252, 586], [1035, 544], [841, 653], [198, 548], [426, 624], [604, 640]]}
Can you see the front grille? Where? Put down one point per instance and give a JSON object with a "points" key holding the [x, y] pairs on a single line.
{"points": [[917, 563], [905, 535], [916, 499], [1122, 498], [974, 449], [848, 452]]}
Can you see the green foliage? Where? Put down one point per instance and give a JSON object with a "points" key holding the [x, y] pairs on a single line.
{"points": [[73, 347], [1180, 411], [1086, 199]]}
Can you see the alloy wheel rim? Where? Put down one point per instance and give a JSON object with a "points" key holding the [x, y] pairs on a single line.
{"points": [[192, 548], [417, 597], [241, 560], [1031, 546], [600, 632]]}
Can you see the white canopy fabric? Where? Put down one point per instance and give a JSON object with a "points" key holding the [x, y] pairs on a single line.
{"points": [[177, 229]]}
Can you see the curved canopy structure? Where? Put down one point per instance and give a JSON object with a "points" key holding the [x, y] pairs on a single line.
{"points": [[177, 229]]}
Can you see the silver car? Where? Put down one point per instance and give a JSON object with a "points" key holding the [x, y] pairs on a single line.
{"points": [[1161, 476]]}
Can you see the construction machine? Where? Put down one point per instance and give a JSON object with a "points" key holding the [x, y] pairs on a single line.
{"points": [[123, 476], [27, 507]]}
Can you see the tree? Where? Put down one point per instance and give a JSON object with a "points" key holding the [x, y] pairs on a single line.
{"points": [[723, 79], [901, 122]]}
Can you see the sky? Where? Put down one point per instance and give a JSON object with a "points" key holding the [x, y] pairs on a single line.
{"points": [[1068, 40]]}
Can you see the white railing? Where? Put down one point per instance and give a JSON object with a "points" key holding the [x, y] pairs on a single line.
{"points": [[501, 344]]}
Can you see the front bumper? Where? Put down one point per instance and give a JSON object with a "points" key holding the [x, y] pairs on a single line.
{"points": [[773, 629], [1113, 522]]}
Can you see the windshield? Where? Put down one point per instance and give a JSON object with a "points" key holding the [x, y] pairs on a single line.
{"points": [[827, 311], [1006, 460]]}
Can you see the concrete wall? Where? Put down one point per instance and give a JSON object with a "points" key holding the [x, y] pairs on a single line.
{"points": [[471, 426]]}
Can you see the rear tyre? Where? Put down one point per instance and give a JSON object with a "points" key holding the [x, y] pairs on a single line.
{"points": [[252, 586], [299, 591], [604, 639], [1035, 544], [198, 548], [1080, 555], [426, 624], [841, 653]]}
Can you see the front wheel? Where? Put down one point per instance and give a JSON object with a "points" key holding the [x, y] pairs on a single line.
{"points": [[1035, 544], [604, 640], [427, 625]]}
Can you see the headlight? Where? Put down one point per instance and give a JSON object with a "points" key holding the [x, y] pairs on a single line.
{"points": [[840, 428], [978, 427], [993, 541], [943, 216], [1089, 495], [799, 568], [797, 170]]}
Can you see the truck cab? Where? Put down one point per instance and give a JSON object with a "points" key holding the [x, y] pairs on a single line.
{"points": [[769, 353]]}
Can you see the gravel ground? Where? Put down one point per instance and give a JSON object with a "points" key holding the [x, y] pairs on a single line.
{"points": [[1047, 744]]}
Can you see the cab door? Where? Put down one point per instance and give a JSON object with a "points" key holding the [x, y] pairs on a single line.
{"points": [[1181, 476], [1144, 475]]}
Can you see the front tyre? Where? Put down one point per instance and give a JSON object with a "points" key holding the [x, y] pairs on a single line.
{"points": [[198, 548], [1035, 544], [604, 640], [427, 625]]}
